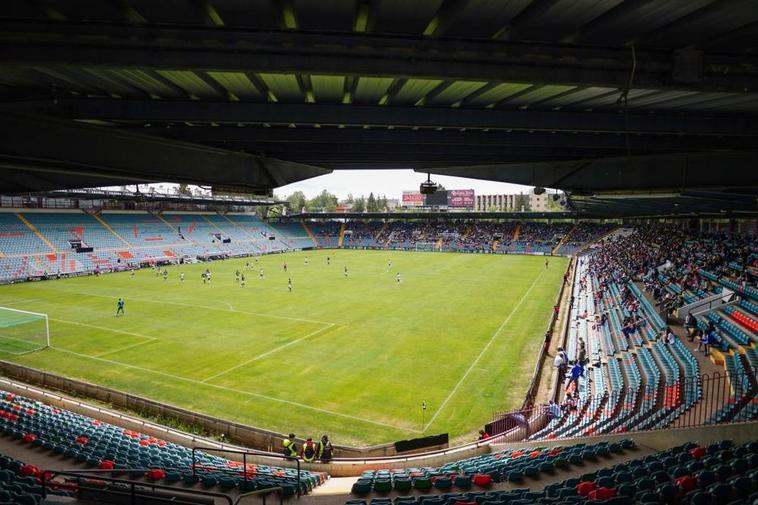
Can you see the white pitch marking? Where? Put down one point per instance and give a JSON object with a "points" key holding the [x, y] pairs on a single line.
{"points": [[147, 338], [484, 350], [126, 347], [165, 302], [25, 300], [102, 328], [267, 353], [238, 391]]}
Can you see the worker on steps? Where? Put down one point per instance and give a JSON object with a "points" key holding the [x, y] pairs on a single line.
{"points": [[289, 447], [308, 452]]}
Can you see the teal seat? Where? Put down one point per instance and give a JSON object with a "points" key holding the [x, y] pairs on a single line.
{"points": [[402, 484], [443, 483], [382, 485], [462, 481]]}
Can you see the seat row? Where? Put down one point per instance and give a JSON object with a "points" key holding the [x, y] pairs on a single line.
{"points": [[101, 445]]}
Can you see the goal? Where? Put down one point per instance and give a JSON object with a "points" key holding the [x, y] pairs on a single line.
{"points": [[426, 246], [22, 331]]}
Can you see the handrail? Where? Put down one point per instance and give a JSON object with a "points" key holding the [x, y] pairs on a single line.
{"points": [[264, 493], [49, 475], [245, 453], [530, 392]]}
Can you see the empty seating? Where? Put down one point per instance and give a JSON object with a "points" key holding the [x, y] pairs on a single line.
{"points": [[480, 471], [104, 445]]}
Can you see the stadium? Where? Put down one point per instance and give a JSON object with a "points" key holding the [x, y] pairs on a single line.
{"points": [[175, 328]]}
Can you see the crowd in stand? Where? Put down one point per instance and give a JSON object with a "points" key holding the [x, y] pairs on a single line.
{"points": [[475, 236], [363, 229], [677, 267]]}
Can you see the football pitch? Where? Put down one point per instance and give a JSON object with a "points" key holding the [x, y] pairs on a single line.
{"points": [[352, 356]]}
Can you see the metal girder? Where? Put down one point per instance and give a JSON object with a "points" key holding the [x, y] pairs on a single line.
{"points": [[362, 54], [361, 115], [442, 215], [55, 154], [681, 206], [239, 136], [655, 172]]}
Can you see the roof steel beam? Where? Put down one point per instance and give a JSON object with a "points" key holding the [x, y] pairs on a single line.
{"points": [[361, 54], [365, 115], [76, 155]]}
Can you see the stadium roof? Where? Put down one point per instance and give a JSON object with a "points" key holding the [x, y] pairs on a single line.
{"points": [[201, 199], [257, 94], [431, 214]]}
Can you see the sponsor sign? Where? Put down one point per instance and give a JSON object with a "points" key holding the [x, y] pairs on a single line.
{"points": [[412, 199], [461, 198]]}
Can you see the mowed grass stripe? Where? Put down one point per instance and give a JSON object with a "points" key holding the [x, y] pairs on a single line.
{"points": [[199, 383], [483, 351], [390, 348]]}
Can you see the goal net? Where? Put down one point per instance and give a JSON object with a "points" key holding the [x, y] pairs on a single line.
{"points": [[22, 331], [426, 246]]}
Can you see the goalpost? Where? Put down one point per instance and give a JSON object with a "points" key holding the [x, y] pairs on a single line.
{"points": [[22, 331], [426, 246]]}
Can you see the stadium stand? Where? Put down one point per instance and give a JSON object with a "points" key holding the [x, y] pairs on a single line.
{"points": [[48, 243], [510, 465], [718, 473], [97, 444], [637, 379], [20, 484], [363, 234], [327, 233], [625, 290]]}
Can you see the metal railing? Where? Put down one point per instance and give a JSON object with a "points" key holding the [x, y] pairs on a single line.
{"points": [[244, 454], [531, 390], [263, 494], [134, 487], [691, 402]]}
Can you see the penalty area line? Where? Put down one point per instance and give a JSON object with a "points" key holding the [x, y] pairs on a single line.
{"points": [[148, 339], [181, 304], [483, 351], [237, 391]]}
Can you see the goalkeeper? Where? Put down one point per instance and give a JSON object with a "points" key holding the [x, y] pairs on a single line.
{"points": [[120, 307]]}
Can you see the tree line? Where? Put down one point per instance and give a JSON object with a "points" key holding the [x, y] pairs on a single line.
{"points": [[327, 202]]}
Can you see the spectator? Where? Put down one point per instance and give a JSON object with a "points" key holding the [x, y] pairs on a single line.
{"points": [[561, 362], [689, 325], [569, 404], [705, 341], [669, 337], [553, 410], [577, 371]]}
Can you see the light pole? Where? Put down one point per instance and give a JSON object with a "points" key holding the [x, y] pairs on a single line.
{"points": [[423, 412]]}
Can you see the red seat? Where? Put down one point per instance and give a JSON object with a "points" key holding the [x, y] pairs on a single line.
{"points": [[687, 483], [603, 493], [585, 488], [482, 480], [155, 474]]}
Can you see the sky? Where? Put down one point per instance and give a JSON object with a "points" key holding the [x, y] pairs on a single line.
{"points": [[390, 183]]}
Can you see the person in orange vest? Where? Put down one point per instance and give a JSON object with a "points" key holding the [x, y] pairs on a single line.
{"points": [[308, 451]]}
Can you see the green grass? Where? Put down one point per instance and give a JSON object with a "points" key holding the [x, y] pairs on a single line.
{"points": [[350, 357]]}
